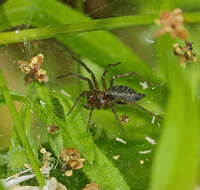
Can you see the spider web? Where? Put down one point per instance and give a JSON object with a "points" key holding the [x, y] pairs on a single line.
{"points": [[135, 149]]}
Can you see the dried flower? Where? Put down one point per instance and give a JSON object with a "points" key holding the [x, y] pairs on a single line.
{"points": [[172, 23], [53, 184], [91, 186], [47, 160], [72, 158], [185, 54], [52, 129], [41, 76], [33, 70], [116, 157], [69, 173], [124, 119]]}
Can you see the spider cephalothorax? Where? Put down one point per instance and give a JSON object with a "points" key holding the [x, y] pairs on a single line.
{"points": [[108, 97], [97, 99]]}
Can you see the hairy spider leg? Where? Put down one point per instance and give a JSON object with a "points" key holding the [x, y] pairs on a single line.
{"points": [[78, 76], [104, 74], [88, 70], [117, 118], [84, 93], [89, 119], [147, 111], [128, 74]]}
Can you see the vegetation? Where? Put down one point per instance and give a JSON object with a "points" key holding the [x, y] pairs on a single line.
{"points": [[154, 153]]}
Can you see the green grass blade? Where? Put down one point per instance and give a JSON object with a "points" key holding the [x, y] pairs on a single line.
{"points": [[176, 161], [15, 96], [100, 24], [20, 130]]}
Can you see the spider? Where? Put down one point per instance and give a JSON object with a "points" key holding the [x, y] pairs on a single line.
{"points": [[108, 97]]}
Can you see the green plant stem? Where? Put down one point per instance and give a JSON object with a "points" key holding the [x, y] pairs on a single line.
{"points": [[52, 31], [93, 25], [20, 130]]}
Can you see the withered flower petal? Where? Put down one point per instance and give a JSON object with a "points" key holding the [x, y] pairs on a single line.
{"points": [[72, 158], [172, 23], [33, 70], [91, 186], [124, 119], [41, 76], [184, 53]]}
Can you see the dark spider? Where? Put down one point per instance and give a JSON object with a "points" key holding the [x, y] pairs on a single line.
{"points": [[107, 98]]}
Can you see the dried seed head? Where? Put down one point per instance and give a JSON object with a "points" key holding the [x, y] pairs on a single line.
{"points": [[124, 119], [41, 76], [40, 55], [116, 157], [43, 150], [46, 156], [91, 186], [52, 129], [33, 70], [72, 158], [24, 66], [34, 60], [29, 78], [53, 184], [177, 49], [184, 53], [172, 23], [69, 173], [76, 164]]}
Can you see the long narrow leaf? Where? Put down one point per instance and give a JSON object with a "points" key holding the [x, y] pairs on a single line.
{"points": [[176, 161], [20, 130]]}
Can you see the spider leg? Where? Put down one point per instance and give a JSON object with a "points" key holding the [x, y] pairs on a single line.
{"points": [[88, 70], [104, 74], [117, 118], [147, 111], [78, 76], [77, 100], [129, 74], [89, 119]]}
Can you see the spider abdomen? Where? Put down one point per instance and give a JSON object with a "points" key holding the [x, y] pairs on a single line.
{"points": [[123, 93]]}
